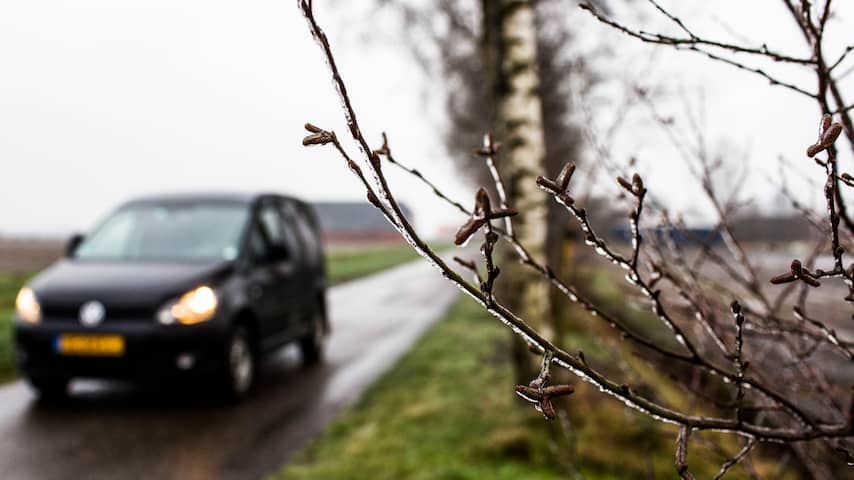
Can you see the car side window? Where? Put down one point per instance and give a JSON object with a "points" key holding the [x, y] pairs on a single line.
{"points": [[307, 234], [267, 242], [291, 231], [271, 225]]}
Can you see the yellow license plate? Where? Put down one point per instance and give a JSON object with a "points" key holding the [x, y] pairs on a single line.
{"points": [[91, 345]]}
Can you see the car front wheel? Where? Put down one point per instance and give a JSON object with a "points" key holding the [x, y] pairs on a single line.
{"points": [[239, 372]]}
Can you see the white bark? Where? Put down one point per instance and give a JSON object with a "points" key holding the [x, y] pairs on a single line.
{"points": [[521, 114]]}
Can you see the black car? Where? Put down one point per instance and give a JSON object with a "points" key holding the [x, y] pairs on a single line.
{"points": [[171, 287]]}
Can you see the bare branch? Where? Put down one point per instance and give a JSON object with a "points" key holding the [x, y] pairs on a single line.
{"points": [[489, 150], [751, 442], [692, 40], [682, 453]]}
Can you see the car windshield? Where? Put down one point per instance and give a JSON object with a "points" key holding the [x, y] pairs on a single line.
{"points": [[186, 232]]}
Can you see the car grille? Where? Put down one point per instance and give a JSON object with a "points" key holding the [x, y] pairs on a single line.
{"points": [[114, 313]]}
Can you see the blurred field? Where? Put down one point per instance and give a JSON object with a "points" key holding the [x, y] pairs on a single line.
{"points": [[18, 258], [352, 262], [28, 254], [9, 285]]}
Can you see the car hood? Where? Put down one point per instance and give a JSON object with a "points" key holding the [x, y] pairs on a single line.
{"points": [[74, 282]]}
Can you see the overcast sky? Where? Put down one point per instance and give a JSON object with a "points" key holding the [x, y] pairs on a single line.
{"points": [[101, 101], [104, 100]]}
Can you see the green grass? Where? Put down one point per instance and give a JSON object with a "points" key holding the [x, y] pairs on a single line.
{"points": [[7, 370], [9, 285], [447, 411], [349, 264]]}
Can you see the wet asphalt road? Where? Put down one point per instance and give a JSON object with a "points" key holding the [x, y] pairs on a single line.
{"points": [[111, 431]]}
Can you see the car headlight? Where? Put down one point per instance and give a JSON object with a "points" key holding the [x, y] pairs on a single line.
{"points": [[27, 306], [196, 306]]}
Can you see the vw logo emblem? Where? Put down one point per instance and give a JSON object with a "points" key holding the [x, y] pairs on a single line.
{"points": [[92, 313]]}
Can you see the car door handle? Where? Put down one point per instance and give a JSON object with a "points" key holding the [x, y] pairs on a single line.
{"points": [[255, 292]]}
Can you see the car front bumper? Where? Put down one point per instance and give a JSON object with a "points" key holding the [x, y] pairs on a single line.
{"points": [[151, 351]]}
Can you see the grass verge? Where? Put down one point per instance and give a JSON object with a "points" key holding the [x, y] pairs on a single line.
{"points": [[447, 411], [347, 265], [9, 285]]}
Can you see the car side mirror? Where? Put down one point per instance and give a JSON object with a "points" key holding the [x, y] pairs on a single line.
{"points": [[72, 244]]}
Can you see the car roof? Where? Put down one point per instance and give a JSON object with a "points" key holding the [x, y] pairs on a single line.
{"points": [[206, 197]]}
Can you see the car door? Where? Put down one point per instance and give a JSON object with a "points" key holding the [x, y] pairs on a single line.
{"points": [[307, 231], [304, 287], [272, 277]]}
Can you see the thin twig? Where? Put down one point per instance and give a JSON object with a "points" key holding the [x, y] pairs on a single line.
{"points": [[751, 442]]}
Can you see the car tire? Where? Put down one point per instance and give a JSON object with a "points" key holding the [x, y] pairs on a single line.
{"points": [[312, 344], [50, 389], [238, 375]]}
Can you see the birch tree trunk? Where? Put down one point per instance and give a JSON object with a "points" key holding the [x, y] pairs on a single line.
{"points": [[521, 128]]}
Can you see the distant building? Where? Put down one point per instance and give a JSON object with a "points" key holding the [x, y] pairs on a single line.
{"points": [[746, 228], [355, 222], [776, 229], [684, 236]]}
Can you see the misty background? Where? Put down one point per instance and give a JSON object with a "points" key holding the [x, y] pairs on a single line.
{"points": [[101, 101]]}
